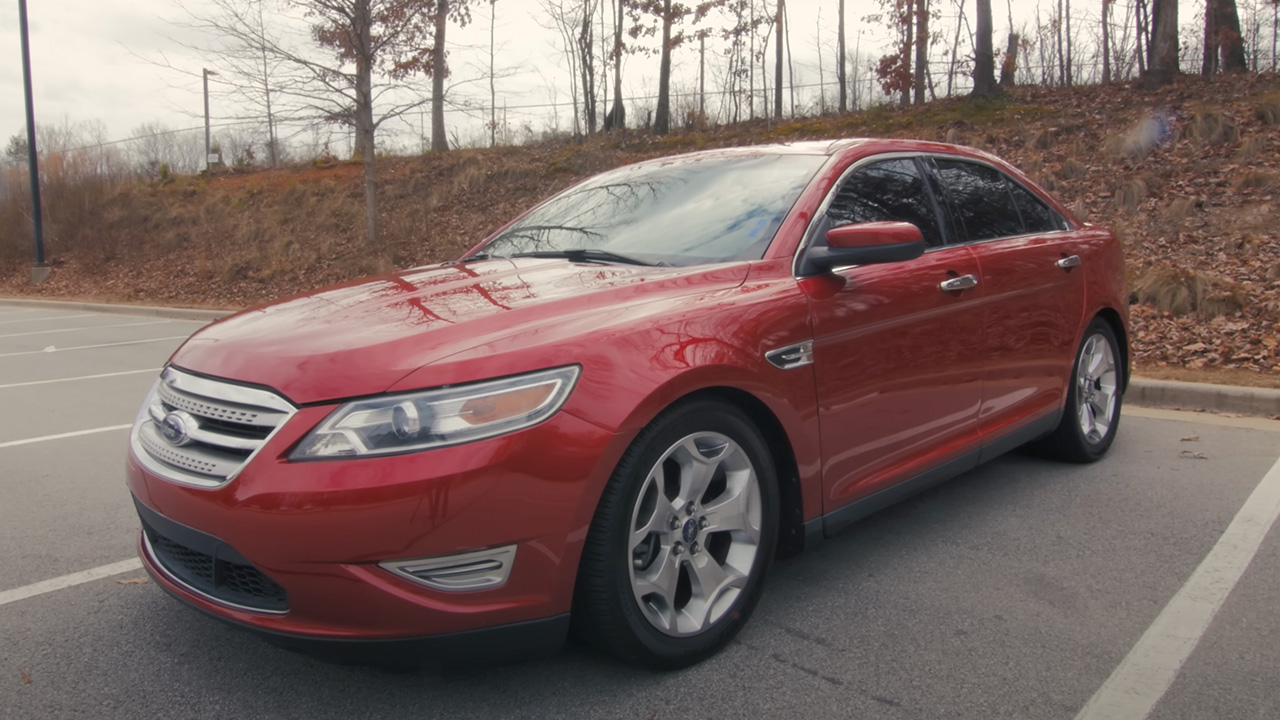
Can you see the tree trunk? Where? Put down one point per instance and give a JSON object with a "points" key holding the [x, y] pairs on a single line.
{"points": [[1209, 63], [1162, 51], [777, 63], [955, 45], [586, 54], [364, 126], [1009, 68], [617, 117], [1062, 66], [493, 96], [841, 78], [1067, 19], [922, 49], [907, 7], [1138, 33], [438, 141], [662, 123], [1106, 42], [984, 70], [1229, 39]]}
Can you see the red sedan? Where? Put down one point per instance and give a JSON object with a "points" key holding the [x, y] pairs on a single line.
{"points": [[617, 410]]}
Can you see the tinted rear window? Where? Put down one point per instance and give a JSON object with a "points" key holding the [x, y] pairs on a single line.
{"points": [[980, 200]]}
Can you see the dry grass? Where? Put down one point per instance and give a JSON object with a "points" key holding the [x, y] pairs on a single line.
{"points": [[1252, 148], [1258, 180], [1268, 110], [1072, 169], [1130, 194], [1042, 140], [1184, 292], [1211, 127]]}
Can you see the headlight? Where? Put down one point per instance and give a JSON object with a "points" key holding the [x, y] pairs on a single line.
{"points": [[434, 418]]}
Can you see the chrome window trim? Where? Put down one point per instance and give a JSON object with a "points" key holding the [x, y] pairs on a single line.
{"points": [[155, 562]]}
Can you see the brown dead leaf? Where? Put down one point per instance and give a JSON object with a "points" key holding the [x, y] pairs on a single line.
{"points": [[132, 581], [26, 679], [1193, 455], [1191, 438]]}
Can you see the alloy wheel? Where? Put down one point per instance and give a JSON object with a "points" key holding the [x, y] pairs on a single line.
{"points": [[694, 535], [1096, 388]]}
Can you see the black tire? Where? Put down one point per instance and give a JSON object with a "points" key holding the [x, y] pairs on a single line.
{"points": [[607, 611], [1069, 442]]}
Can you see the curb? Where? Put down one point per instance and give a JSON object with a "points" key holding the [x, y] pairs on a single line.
{"points": [[1203, 396], [145, 310]]}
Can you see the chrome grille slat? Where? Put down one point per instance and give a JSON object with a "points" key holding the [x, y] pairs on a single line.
{"points": [[225, 425]]}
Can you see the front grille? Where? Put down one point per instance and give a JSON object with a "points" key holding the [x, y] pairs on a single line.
{"points": [[215, 427], [232, 583]]}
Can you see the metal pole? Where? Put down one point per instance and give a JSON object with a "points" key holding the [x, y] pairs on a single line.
{"points": [[207, 147], [41, 270]]}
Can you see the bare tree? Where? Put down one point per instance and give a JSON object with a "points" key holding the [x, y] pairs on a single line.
{"points": [[984, 71], [1162, 49], [777, 67], [841, 61], [1223, 43], [1106, 41], [922, 49]]}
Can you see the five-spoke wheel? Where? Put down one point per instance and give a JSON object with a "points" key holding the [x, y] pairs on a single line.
{"points": [[682, 538]]}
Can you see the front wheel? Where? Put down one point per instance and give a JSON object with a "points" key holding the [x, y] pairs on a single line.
{"points": [[1094, 396], [682, 539]]}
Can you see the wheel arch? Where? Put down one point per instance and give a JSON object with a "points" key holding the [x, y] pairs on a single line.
{"points": [[772, 431], [1113, 319]]}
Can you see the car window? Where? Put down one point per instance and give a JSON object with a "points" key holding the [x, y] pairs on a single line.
{"points": [[889, 190], [1036, 216], [980, 200], [676, 211]]}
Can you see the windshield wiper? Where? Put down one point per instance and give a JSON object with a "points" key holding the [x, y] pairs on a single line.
{"points": [[585, 255]]}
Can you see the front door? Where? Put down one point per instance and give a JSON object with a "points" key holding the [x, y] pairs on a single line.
{"points": [[899, 381]]}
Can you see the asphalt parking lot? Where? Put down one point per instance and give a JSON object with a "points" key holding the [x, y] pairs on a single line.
{"points": [[1024, 589]]}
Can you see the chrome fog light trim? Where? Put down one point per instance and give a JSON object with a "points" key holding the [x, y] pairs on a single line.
{"points": [[465, 572]]}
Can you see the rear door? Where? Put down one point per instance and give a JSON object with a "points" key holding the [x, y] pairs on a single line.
{"points": [[1033, 280], [895, 355]]}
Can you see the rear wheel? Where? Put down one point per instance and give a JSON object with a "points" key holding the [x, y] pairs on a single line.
{"points": [[682, 539], [1094, 396]]}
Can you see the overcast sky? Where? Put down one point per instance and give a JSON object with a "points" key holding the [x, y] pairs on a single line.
{"points": [[90, 60]]}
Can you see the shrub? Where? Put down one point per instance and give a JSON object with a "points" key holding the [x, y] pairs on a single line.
{"points": [[1182, 292]]}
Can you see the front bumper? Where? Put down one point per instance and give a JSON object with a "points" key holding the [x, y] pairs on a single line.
{"points": [[319, 529]]}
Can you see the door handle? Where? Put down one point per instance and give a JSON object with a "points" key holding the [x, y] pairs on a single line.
{"points": [[1067, 263], [964, 282]]}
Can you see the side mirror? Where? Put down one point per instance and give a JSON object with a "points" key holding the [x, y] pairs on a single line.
{"points": [[866, 244]]}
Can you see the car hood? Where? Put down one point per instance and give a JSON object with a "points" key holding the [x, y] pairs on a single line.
{"points": [[360, 338]]}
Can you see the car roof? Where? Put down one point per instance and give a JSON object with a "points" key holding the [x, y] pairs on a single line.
{"points": [[837, 146]]}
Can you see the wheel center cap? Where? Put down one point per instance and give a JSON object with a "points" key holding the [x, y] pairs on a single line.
{"points": [[690, 531]]}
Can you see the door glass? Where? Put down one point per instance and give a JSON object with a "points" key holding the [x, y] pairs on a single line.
{"points": [[980, 200], [1036, 216], [890, 190]]}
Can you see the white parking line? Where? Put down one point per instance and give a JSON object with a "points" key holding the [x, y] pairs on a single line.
{"points": [[66, 581], [88, 327], [52, 349], [62, 436], [1146, 673], [82, 377], [54, 317]]}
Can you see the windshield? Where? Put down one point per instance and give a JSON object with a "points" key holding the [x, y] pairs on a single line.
{"points": [[679, 212]]}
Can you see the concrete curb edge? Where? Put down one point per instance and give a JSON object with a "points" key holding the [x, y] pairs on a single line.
{"points": [[1203, 396], [145, 310]]}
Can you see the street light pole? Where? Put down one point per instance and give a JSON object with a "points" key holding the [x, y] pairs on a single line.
{"points": [[39, 271], [208, 149]]}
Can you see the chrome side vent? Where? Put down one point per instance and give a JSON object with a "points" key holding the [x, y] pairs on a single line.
{"points": [[791, 356], [202, 432], [478, 570]]}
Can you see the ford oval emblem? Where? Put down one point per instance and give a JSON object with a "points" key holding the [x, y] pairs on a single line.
{"points": [[175, 428]]}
